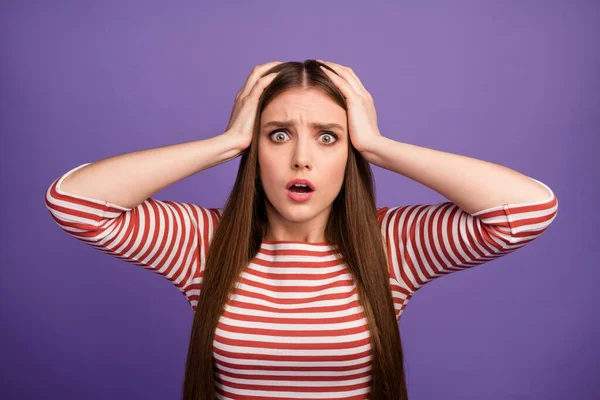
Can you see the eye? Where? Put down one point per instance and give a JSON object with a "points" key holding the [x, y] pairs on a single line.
{"points": [[279, 135], [326, 133]]}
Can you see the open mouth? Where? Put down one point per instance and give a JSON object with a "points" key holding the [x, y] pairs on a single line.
{"points": [[300, 189], [300, 193]]}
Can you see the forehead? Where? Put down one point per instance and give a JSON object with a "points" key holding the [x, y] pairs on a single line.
{"points": [[304, 106]]}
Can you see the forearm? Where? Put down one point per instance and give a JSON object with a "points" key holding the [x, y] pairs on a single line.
{"points": [[470, 183], [129, 179]]}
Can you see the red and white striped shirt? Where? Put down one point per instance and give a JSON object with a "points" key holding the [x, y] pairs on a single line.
{"points": [[294, 327]]}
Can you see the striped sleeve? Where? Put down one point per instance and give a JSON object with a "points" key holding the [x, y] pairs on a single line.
{"points": [[169, 238], [425, 242]]}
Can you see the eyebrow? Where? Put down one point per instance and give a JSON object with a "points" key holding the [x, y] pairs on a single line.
{"points": [[315, 125]]}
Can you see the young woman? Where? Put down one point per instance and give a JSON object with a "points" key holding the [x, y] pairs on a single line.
{"points": [[303, 287]]}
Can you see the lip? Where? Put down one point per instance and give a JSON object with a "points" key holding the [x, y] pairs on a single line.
{"points": [[299, 196], [301, 182]]}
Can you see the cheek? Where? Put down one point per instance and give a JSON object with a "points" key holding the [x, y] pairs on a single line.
{"points": [[335, 170]]}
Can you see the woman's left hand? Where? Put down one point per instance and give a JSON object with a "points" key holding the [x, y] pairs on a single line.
{"points": [[362, 118]]}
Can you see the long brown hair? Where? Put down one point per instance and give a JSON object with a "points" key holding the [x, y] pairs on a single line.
{"points": [[352, 227]]}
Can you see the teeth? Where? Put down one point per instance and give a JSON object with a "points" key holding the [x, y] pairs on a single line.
{"points": [[298, 184]]}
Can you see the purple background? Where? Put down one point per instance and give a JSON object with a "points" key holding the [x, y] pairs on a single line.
{"points": [[515, 84]]}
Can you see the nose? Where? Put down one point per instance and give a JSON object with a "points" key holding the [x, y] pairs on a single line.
{"points": [[301, 157]]}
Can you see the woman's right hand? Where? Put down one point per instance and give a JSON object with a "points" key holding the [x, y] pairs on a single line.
{"points": [[243, 115]]}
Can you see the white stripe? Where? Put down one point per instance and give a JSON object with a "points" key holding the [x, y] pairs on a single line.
{"points": [[301, 395], [296, 282], [297, 315], [308, 269], [330, 326], [294, 382], [318, 303], [289, 339], [295, 363], [273, 372], [296, 295]]}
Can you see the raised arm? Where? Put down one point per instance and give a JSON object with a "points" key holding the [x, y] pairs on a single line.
{"points": [[107, 205], [129, 179], [426, 241]]}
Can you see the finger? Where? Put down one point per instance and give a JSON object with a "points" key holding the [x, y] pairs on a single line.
{"points": [[341, 83], [257, 72], [262, 83], [348, 74]]}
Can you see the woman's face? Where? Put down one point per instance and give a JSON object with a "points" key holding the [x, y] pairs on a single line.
{"points": [[299, 149]]}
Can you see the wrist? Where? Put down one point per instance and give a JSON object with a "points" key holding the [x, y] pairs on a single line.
{"points": [[370, 152], [233, 141]]}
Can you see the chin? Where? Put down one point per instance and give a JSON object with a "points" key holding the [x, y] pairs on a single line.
{"points": [[298, 212]]}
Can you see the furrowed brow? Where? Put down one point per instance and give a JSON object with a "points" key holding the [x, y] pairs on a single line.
{"points": [[314, 125]]}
